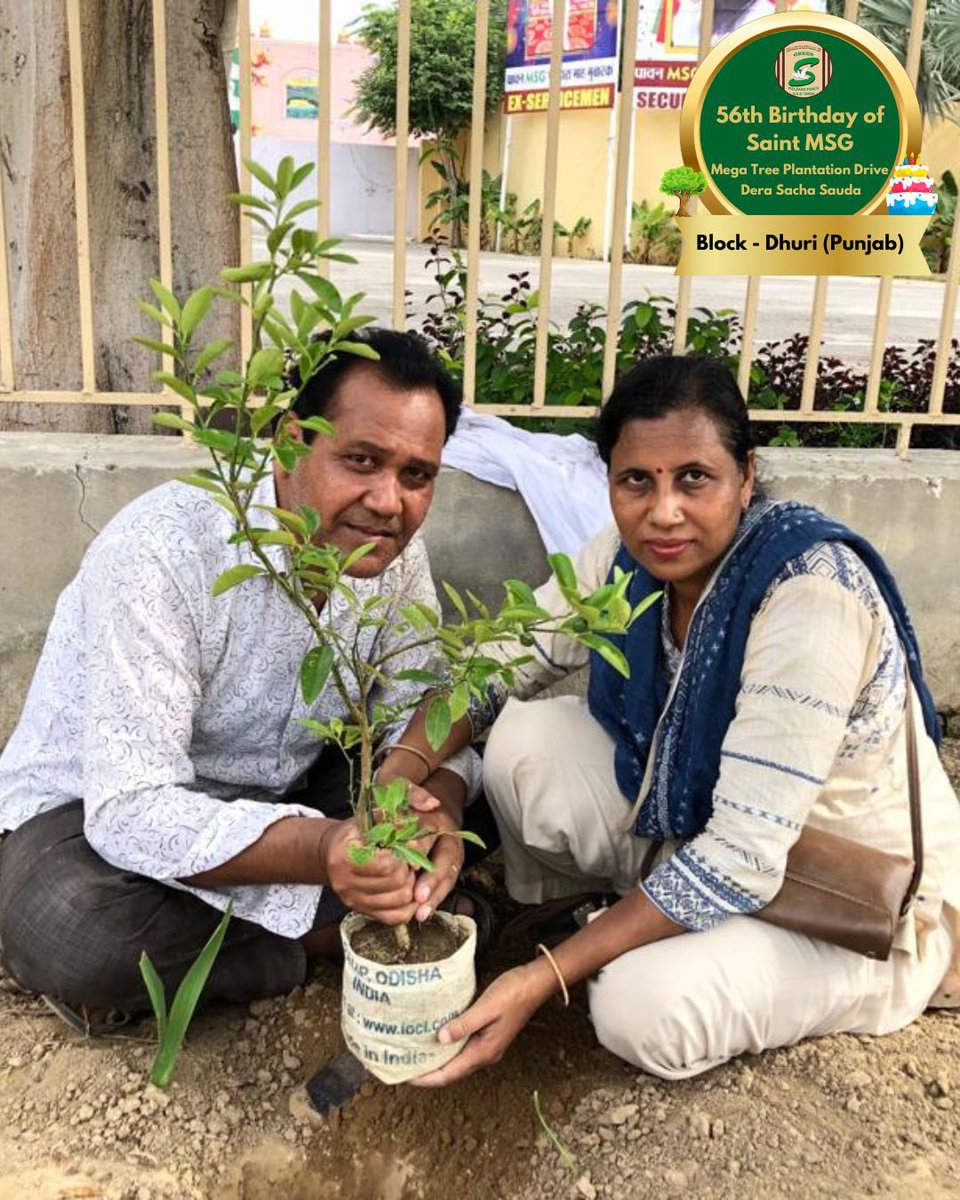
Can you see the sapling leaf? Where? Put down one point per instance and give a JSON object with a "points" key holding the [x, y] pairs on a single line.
{"points": [[359, 350], [390, 798], [262, 417], [167, 299], [266, 364], [467, 835], [261, 174], [290, 520], [173, 421], [154, 313], [408, 854], [456, 599], [153, 344], [195, 308], [459, 701], [415, 618], [314, 672], [478, 604], [563, 570], [517, 590], [361, 855], [304, 171], [410, 830], [273, 537], [248, 273], [184, 390], [322, 288], [317, 425], [235, 575], [299, 209], [355, 555], [418, 675], [185, 1003], [645, 603], [198, 480], [210, 352], [284, 176], [276, 236], [439, 722], [608, 651], [381, 834], [248, 199]]}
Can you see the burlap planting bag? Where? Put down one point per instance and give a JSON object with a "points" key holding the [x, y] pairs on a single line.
{"points": [[390, 1014]]}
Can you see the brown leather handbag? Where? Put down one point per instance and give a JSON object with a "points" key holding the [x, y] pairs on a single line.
{"points": [[845, 892]]}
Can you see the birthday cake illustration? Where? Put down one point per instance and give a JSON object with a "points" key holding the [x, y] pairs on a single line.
{"points": [[911, 191]]}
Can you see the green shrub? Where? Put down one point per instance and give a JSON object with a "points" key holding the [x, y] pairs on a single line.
{"points": [[507, 336]]}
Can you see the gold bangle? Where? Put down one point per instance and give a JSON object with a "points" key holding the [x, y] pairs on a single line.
{"points": [[411, 750], [556, 970]]}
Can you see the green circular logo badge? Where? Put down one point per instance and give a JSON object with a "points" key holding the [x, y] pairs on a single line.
{"points": [[802, 115]]}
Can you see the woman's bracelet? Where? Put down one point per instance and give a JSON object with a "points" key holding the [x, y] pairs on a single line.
{"points": [[556, 970], [410, 750]]}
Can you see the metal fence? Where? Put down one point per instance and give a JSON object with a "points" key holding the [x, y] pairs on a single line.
{"points": [[930, 408]]}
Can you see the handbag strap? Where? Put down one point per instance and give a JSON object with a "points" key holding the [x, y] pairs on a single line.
{"points": [[913, 789]]}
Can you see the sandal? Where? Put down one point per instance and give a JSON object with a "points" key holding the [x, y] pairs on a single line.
{"points": [[554, 921], [465, 901], [91, 1022]]}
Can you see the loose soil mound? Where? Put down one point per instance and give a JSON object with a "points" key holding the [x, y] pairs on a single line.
{"points": [[843, 1116]]}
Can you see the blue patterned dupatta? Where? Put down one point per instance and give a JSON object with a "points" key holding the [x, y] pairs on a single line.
{"points": [[687, 764]]}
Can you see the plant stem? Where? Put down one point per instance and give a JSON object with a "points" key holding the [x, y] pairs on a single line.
{"points": [[402, 934]]}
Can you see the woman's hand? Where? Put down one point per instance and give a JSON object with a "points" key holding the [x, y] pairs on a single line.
{"points": [[492, 1022]]}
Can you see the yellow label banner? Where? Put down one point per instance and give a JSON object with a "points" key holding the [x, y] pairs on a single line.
{"points": [[771, 245]]}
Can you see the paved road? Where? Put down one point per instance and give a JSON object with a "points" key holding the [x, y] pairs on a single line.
{"points": [[784, 306]]}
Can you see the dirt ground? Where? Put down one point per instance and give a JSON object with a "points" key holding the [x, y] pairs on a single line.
{"points": [[843, 1116]]}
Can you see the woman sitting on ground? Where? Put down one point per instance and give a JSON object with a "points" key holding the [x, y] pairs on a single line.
{"points": [[766, 691]]}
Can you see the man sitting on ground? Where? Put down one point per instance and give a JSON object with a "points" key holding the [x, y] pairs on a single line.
{"points": [[147, 782]]}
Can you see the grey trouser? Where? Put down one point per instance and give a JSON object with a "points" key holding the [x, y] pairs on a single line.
{"points": [[74, 927]]}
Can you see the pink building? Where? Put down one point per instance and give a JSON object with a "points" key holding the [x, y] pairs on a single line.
{"points": [[284, 121]]}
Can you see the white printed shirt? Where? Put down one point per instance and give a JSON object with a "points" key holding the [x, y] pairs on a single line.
{"points": [[176, 715]]}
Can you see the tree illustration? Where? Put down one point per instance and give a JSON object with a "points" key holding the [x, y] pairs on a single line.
{"points": [[683, 182]]}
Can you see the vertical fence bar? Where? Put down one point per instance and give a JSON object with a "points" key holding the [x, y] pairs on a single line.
{"points": [[324, 113], [549, 202], [948, 312], [246, 226], [400, 174], [164, 217], [7, 376], [78, 122], [750, 304], [811, 369], [872, 397], [475, 212], [818, 312], [625, 119], [685, 286]]}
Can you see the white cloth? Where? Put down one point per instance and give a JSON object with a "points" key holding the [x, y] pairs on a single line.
{"points": [[560, 477], [155, 702], [680, 1006]]}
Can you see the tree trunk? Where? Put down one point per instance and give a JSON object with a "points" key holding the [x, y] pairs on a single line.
{"points": [[38, 184]]}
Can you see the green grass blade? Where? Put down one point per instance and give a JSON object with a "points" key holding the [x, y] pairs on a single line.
{"points": [[185, 1003], [569, 1161], [155, 991]]}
